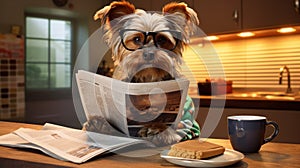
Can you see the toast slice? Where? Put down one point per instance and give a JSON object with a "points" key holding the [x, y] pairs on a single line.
{"points": [[195, 149]]}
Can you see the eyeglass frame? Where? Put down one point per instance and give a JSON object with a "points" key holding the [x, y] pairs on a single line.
{"points": [[153, 34]]}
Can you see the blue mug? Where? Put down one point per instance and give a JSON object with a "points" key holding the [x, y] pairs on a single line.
{"points": [[247, 132]]}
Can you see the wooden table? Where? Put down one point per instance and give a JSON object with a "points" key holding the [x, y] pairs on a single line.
{"points": [[271, 155]]}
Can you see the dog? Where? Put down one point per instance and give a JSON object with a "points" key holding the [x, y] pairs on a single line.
{"points": [[147, 47]]}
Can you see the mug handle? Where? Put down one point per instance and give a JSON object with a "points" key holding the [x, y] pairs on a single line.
{"points": [[274, 134]]}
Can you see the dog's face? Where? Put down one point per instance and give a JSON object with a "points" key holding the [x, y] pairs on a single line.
{"points": [[147, 47]]}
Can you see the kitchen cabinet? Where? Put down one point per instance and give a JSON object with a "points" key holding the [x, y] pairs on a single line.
{"points": [[214, 15], [156, 5], [146, 5], [270, 13], [226, 16], [229, 16], [219, 16]]}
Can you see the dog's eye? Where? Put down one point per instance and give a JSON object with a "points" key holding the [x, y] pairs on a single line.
{"points": [[161, 40], [164, 42], [137, 40]]}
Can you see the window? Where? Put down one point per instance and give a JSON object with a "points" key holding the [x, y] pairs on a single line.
{"points": [[48, 53]]}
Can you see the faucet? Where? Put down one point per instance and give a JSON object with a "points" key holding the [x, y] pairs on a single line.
{"points": [[289, 89]]}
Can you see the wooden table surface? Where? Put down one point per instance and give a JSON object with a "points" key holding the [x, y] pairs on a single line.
{"points": [[271, 155]]}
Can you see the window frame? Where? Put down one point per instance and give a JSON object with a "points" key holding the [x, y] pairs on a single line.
{"points": [[50, 93]]}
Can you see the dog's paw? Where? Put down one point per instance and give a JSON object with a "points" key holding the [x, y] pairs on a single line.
{"points": [[99, 125], [159, 134]]}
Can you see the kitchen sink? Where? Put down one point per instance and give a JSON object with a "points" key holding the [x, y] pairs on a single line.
{"points": [[266, 95]]}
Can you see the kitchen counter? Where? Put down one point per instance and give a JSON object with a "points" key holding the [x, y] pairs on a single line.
{"points": [[232, 101], [271, 155]]}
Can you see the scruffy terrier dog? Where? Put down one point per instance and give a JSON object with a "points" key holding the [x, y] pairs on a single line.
{"points": [[147, 47]]}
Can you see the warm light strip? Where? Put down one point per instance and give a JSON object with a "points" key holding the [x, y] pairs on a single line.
{"points": [[257, 33], [245, 34], [286, 30], [212, 38]]}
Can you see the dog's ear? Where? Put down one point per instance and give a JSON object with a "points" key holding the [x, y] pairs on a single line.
{"points": [[189, 26], [182, 10], [114, 10]]}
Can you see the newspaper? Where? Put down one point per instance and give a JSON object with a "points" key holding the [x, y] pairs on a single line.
{"points": [[66, 143], [128, 106]]}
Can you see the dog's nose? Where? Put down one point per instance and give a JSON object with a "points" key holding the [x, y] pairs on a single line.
{"points": [[148, 55]]}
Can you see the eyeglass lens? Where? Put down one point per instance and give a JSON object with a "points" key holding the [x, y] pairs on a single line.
{"points": [[133, 39]]}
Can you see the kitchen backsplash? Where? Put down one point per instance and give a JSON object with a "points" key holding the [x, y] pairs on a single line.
{"points": [[12, 100], [249, 63]]}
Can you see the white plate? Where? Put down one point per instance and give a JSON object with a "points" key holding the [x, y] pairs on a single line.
{"points": [[228, 158]]}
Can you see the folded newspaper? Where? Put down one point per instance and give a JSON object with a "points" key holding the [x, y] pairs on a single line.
{"points": [[129, 106], [65, 143]]}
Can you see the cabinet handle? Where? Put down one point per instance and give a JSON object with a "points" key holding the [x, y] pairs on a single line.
{"points": [[297, 6], [235, 16]]}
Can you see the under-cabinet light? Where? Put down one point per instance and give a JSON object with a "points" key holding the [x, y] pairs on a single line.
{"points": [[212, 38], [246, 34], [286, 30]]}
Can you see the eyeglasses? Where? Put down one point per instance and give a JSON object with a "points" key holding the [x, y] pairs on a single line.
{"points": [[135, 39]]}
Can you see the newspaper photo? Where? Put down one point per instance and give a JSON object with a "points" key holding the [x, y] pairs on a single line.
{"points": [[128, 106], [66, 144]]}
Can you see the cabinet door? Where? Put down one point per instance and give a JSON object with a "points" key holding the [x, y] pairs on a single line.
{"points": [[219, 16], [155, 5], [146, 5], [269, 13], [158, 4]]}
